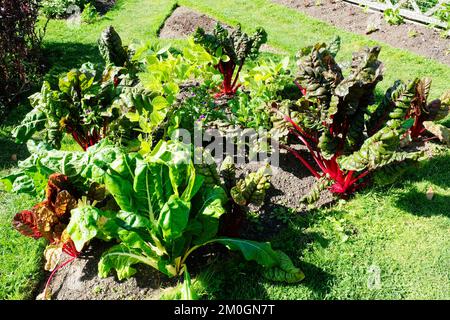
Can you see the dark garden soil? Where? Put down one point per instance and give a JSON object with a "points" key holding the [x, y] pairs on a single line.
{"points": [[426, 42], [184, 21]]}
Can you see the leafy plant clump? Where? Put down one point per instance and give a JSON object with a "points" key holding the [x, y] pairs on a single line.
{"points": [[348, 137], [62, 8], [233, 48], [240, 192], [87, 104], [89, 14], [161, 208], [443, 14], [48, 219], [393, 16]]}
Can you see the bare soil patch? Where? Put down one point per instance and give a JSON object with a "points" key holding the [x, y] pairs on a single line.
{"points": [[184, 21], [426, 42]]}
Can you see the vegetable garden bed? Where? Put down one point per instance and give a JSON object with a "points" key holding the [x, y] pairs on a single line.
{"points": [[416, 38], [184, 21], [130, 201]]}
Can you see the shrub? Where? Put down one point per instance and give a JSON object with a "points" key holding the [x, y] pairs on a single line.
{"points": [[19, 47]]}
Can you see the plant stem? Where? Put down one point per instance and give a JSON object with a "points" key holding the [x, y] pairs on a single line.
{"points": [[237, 74], [299, 157]]}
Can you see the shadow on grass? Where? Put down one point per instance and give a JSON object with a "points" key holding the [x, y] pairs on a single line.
{"points": [[8, 147], [231, 277], [436, 171], [415, 202], [60, 57]]}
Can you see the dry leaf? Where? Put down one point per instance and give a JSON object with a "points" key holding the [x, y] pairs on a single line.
{"points": [[430, 193], [45, 295], [14, 157], [52, 256]]}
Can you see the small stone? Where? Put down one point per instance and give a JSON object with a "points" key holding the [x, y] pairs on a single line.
{"points": [[430, 193], [373, 23], [14, 157]]}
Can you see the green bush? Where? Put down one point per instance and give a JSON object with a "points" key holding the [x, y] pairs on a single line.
{"points": [[61, 8]]}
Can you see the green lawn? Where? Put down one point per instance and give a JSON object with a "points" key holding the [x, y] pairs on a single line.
{"points": [[394, 229]]}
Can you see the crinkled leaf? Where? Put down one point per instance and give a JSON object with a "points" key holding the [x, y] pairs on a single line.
{"points": [[174, 218], [111, 49], [213, 201], [285, 271], [33, 122], [121, 259], [252, 189], [83, 225], [439, 130]]}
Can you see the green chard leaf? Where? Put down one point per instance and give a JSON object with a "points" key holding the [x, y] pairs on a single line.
{"points": [[285, 271], [253, 188], [33, 122], [187, 292]]}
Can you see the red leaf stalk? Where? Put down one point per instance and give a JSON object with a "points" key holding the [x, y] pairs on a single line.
{"points": [[343, 182], [228, 86]]}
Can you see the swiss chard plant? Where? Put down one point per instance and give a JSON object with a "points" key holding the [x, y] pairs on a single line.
{"points": [[347, 136], [48, 219], [164, 208], [233, 48], [86, 103]]}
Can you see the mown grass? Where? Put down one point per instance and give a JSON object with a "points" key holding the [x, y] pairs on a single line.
{"points": [[394, 229], [20, 257]]}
